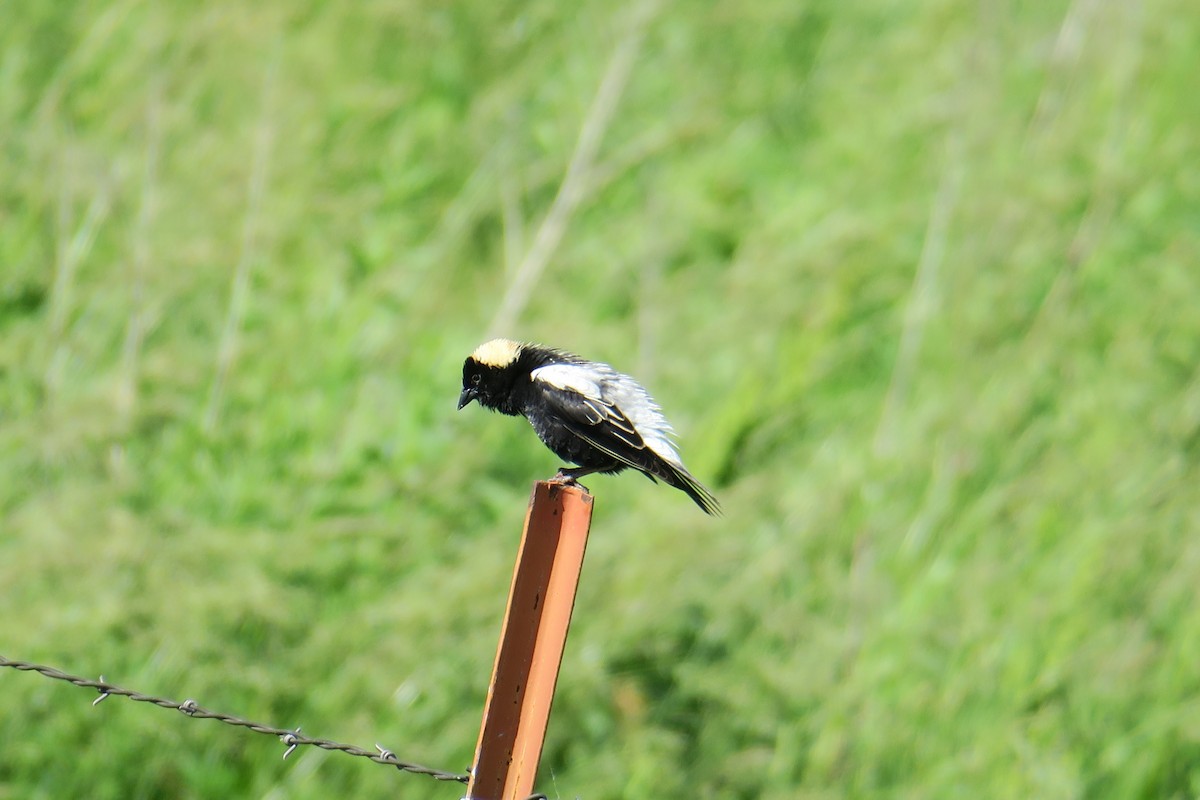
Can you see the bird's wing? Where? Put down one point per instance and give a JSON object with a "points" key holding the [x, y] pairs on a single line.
{"points": [[586, 398], [577, 394]]}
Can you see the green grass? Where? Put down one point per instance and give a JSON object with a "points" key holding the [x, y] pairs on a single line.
{"points": [[917, 284]]}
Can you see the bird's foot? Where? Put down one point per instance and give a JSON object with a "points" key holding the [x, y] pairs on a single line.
{"points": [[570, 477]]}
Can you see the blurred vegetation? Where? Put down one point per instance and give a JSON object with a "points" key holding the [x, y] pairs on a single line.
{"points": [[916, 282]]}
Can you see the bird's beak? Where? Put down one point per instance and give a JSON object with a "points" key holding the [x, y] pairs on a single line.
{"points": [[468, 394]]}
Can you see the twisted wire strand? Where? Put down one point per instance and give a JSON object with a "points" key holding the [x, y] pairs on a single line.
{"points": [[291, 738]]}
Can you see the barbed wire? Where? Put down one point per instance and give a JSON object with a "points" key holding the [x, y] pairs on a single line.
{"points": [[290, 738]]}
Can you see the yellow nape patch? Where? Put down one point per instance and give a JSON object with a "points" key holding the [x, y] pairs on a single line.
{"points": [[497, 352]]}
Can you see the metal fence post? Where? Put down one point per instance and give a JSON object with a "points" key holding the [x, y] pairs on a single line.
{"points": [[531, 645]]}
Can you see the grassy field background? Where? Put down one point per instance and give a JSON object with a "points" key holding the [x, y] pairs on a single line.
{"points": [[917, 284]]}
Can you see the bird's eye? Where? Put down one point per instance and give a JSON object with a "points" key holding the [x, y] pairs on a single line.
{"points": [[475, 379]]}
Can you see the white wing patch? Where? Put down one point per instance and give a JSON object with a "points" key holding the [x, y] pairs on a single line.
{"points": [[574, 377], [602, 382]]}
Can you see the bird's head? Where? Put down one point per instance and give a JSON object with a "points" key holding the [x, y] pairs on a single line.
{"points": [[489, 374]]}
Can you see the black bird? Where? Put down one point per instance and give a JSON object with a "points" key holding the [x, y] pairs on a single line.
{"points": [[584, 411]]}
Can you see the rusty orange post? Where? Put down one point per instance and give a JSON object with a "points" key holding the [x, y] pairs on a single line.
{"points": [[531, 643]]}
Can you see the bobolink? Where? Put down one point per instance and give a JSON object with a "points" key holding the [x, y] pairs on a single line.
{"points": [[584, 411]]}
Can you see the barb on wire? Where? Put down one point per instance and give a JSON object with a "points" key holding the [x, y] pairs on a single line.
{"points": [[291, 738], [103, 695]]}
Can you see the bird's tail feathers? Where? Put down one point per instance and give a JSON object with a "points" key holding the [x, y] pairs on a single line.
{"points": [[680, 478]]}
